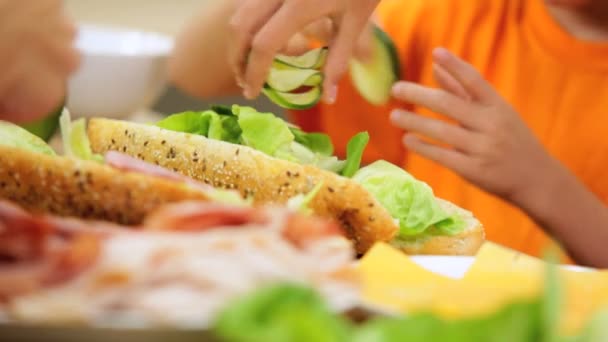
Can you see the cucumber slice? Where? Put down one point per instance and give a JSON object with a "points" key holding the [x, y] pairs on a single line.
{"points": [[291, 79], [45, 128], [313, 59], [304, 100], [374, 80]]}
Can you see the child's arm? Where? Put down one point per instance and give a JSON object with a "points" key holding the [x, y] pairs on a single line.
{"points": [[492, 148], [199, 64]]}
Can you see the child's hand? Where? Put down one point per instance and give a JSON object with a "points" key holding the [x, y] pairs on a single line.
{"points": [[261, 28], [489, 144]]}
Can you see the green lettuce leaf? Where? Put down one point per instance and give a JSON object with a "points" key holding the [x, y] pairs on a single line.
{"points": [[263, 131], [14, 136], [316, 142], [208, 124], [230, 197], [407, 199], [299, 153], [517, 322], [222, 110], [300, 202], [280, 313], [188, 122], [267, 133], [354, 153], [75, 139]]}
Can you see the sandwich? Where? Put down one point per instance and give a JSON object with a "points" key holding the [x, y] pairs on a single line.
{"points": [[113, 187], [177, 269], [269, 161]]}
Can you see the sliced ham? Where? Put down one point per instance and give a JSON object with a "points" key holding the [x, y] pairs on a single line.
{"points": [[302, 230], [127, 163], [35, 252], [200, 216]]}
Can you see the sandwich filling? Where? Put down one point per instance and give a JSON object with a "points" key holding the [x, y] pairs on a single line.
{"points": [[76, 145], [178, 269], [409, 201]]}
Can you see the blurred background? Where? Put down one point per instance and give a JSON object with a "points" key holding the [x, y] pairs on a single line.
{"points": [[162, 16]]}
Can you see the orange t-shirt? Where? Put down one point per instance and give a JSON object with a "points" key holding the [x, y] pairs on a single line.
{"points": [[557, 83]]}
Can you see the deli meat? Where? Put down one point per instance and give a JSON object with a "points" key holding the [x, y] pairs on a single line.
{"points": [[178, 269]]}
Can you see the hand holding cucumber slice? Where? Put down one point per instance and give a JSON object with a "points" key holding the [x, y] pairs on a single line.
{"points": [[373, 80]]}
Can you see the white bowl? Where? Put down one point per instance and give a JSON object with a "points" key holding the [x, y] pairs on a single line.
{"points": [[122, 71]]}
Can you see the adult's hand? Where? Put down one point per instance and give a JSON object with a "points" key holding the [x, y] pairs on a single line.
{"points": [[261, 28], [36, 57]]}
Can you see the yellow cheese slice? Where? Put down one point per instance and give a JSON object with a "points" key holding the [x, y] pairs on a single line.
{"points": [[499, 276], [390, 279]]}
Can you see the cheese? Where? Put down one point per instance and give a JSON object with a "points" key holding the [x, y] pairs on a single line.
{"points": [[390, 279], [499, 276]]}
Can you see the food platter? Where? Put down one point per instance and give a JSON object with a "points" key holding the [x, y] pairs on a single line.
{"points": [[450, 266], [456, 266]]}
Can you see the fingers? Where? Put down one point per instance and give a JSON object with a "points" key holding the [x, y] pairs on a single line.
{"points": [[35, 93], [321, 30], [297, 45], [340, 52], [470, 79], [244, 27], [454, 160], [441, 131], [438, 101], [57, 46], [449, 83], [364, 50], [270, 39]]}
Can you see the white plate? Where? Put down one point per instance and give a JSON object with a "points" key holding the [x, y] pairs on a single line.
{"points": [[449, 266], [457, 266]]}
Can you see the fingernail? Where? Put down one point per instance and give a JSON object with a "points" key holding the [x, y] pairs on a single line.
{"points": [[397, 89], [396, 115], [332, 94], [407, 139], [248, 94], [441, 53]]}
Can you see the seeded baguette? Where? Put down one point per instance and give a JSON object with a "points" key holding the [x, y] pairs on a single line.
{"points": [[254, 174], [71, 187]]}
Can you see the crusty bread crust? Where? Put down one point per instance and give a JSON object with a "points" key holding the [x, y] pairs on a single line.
{"points": [[71, 187], [467, 242], [252, 173]]}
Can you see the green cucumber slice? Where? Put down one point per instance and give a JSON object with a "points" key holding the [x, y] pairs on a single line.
{"points": [[291, 79], [313, 59], [304, 100], [374, 80], [45, 128]]}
